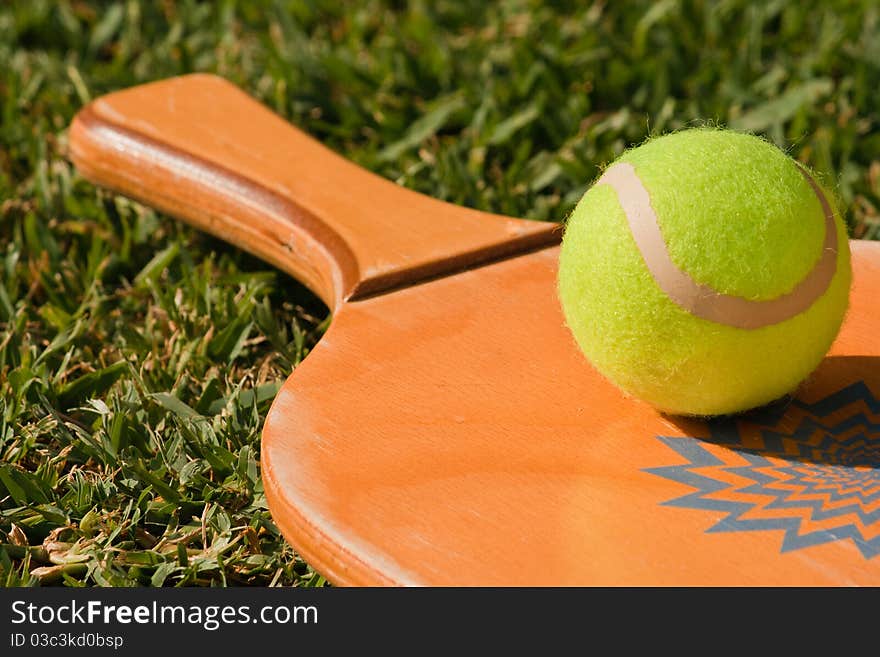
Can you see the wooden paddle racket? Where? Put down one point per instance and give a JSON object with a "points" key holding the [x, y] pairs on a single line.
{"points": [[446, 430]]}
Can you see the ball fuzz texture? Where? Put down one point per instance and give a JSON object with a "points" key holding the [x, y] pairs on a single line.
{"points": [[705, 272]]}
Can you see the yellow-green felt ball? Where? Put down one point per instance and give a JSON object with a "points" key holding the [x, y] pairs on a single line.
{"points": [[705, 272]]}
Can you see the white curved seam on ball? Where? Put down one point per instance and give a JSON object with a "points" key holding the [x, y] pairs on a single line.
{"points": [[700, 299]]}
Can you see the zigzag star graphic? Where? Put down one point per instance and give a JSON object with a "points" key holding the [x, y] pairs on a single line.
{"points": [[817, 483]]}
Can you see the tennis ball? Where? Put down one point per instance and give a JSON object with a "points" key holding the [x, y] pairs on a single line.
{"points": [[705, 272]]}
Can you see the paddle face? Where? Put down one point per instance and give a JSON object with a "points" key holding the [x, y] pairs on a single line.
{"points": [[452, 433]]}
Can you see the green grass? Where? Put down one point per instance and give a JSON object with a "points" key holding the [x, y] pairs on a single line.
{"points": [[138, 357]]}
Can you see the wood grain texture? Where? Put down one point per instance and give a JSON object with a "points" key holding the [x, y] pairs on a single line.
{"points": [[452, 434], [202, 150]]}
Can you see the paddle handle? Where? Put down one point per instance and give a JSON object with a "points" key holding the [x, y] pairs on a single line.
{"points": [[198, 148]]}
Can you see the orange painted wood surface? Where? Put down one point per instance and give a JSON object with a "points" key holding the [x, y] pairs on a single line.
{"points": [[199, 148], [452, 434], [449, 432]]}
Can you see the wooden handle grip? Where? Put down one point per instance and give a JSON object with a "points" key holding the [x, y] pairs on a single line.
{"points": [[201, 150]]}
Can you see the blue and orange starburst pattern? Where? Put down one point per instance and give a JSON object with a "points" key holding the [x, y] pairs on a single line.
{"points": [[811, 471]]}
